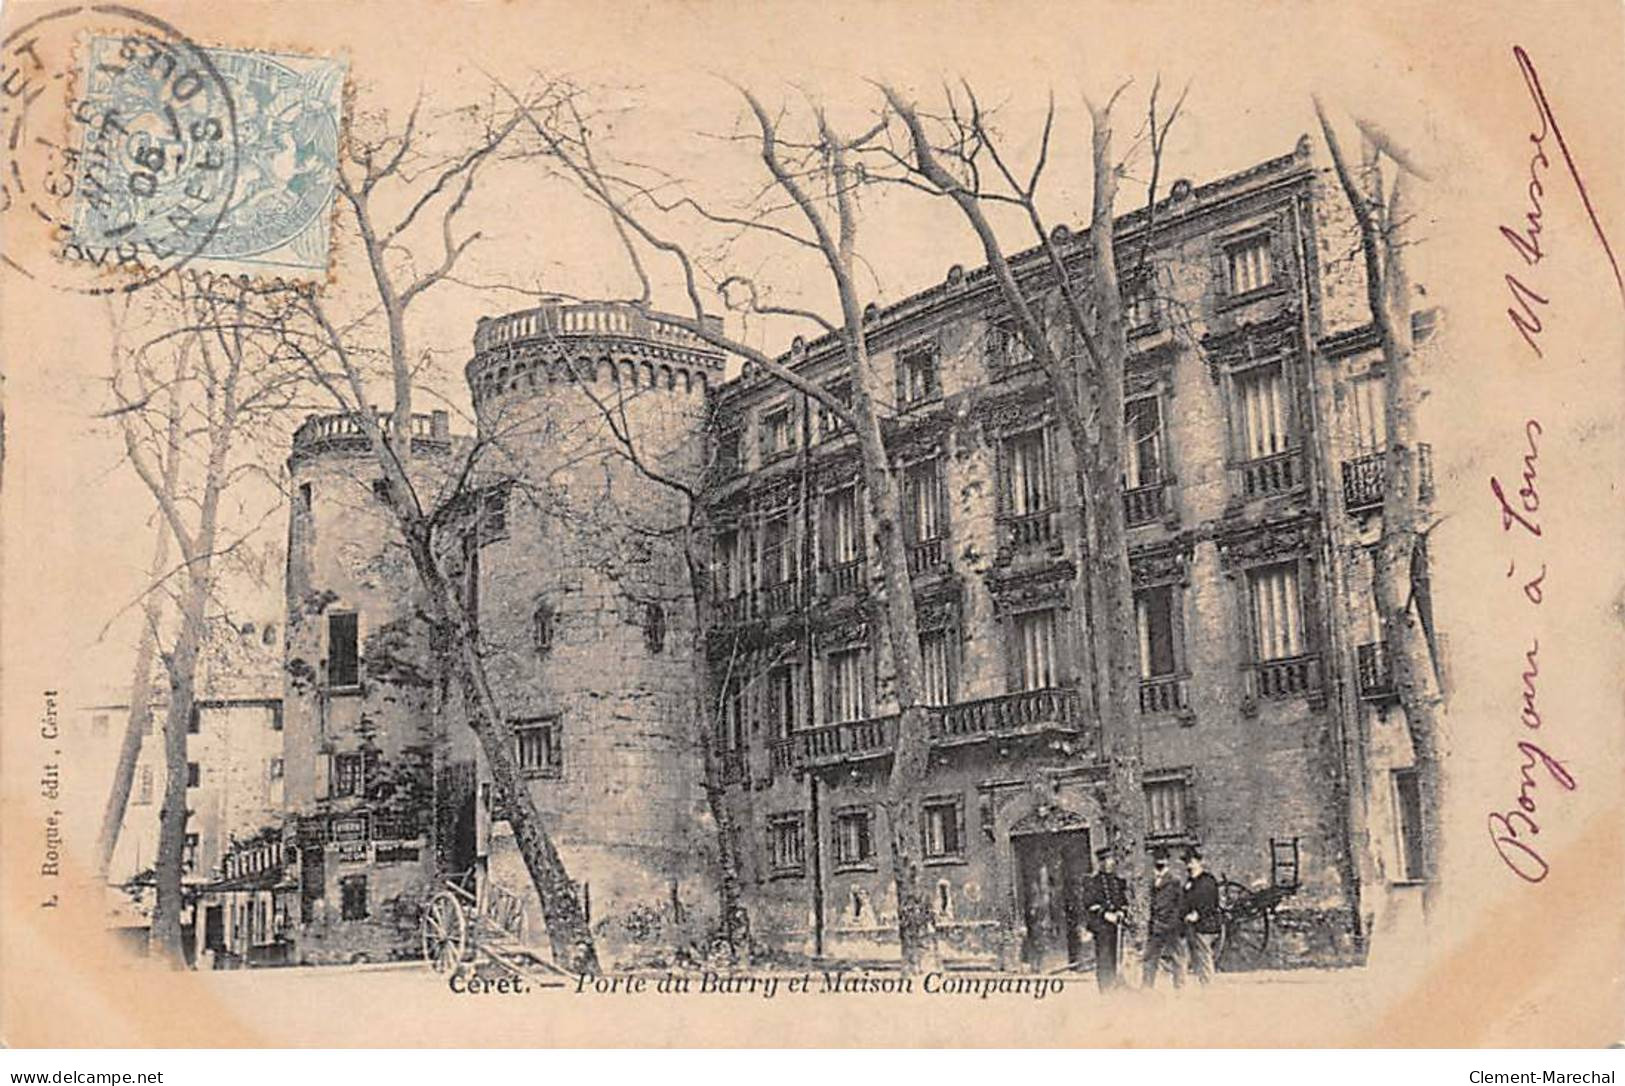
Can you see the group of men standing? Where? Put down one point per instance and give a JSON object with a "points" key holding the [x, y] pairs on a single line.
{"points": [[1185, 919]]}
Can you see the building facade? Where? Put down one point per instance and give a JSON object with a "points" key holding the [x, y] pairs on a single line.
{"points": [[664, 565]]}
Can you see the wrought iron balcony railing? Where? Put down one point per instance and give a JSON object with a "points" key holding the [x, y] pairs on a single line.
{"points": [[1030, 530], [1289, 677], [1375, 671], [924, 556], [1365, 481], [1163, 694], [1145, 504], [1281, 473]]}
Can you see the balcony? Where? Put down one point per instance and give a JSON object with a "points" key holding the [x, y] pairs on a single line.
{"points": [[1031, 531], [784, 757], [1027, 712], [845, 577], [850, 741], [1163, 694], [781, 598], [1145, 504], [1293, 676], [925, 556], [1375, 671], [1268, 475], [1364, 482], [1021, 713]]}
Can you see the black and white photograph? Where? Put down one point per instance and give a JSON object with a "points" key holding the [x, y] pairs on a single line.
{"points": [[911, 524]]}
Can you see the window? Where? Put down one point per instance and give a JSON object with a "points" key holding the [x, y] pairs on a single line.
{"points": [[1408, 815], [143, 787], [493, 508], [1139, 304], [1277, 612], [1007, 348], [786, 844], [728, 575], [194, 775], [304, 497], [537, 747], [276, 768], [1143, 465], [189, 852], [943, 829], [846, 694], [194, 722], [1249, 264], [1168, 807], [380, 489], [829, 423], [916, 375], [778, 432], [1261, 402], [541, 627], [938, 651], [733, 722], [1034, 665], [1027, 482], [353, 897], [1154, 614], [922, 495], [854, 838], [654, 627], [842, 540], [1368, 410], [778, 551], [728, 459], [347, 774], [343, 663], [781, 700]]}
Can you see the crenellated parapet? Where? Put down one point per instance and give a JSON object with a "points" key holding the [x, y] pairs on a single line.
{"points": [[614, 343], [344, 432]]}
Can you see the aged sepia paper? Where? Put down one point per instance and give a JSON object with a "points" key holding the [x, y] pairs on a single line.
{"points": [[460, 461]]}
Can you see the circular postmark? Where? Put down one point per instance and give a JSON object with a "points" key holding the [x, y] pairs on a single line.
{"points": [[118, 148]]}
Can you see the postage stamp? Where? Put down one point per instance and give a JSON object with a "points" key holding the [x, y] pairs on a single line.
{"points": [[157, 150]]}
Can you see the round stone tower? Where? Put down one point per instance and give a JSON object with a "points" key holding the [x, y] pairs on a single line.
{"points": [[359, 697], [584, 606]]}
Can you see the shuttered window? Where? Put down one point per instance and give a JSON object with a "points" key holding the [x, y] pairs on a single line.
{"points": [[1264, 414], [1144, 467], [1250, 265], [847, 698], [1034, 646], [1277, 612], [937, 654], [923, 497], [1154, 613], [1027, 481]]}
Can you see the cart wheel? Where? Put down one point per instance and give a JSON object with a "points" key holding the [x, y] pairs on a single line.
{"points": [[1245, 935], [445, 933]]}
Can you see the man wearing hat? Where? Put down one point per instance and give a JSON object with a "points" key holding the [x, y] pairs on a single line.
{"points": [[1105, 898], [1167, 929], [1200, 904]]}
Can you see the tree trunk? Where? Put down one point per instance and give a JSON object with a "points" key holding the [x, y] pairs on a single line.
{"points": [[734, 917], [1106, 575], [164, 940], [140, 718], [567, 931]]}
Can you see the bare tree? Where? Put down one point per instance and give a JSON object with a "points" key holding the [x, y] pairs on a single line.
{"points": [[397, 188], [1399, 560], [1067, 309], [224, 384], [808, 202]]}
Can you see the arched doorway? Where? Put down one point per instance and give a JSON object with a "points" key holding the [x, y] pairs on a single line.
{"points": [[1053, 860]]}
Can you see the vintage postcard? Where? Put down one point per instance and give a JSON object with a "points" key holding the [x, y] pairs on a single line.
{"points": [[811, 524]]}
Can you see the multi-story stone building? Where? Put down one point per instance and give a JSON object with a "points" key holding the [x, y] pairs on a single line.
{"points": [[1270, 738], [1253, 482]]}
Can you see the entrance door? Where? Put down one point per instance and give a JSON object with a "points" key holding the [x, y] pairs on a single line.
{"points": [[1051, 869], [214, 928]]}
